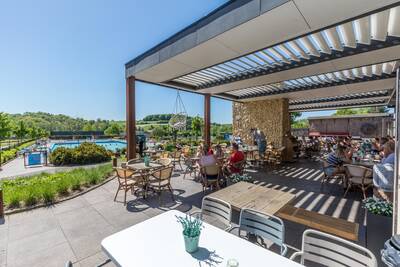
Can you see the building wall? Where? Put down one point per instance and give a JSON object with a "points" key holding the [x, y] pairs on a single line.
{"points": [[361, 126], [270, 116]]}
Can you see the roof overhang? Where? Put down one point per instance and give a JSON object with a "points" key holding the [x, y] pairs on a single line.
{"points": [[253, 44]]}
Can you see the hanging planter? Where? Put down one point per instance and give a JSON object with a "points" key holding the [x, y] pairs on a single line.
{"points": [[179, 118]]}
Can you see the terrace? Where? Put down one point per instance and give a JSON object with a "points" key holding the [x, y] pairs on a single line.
{"points": [[53, 235]]}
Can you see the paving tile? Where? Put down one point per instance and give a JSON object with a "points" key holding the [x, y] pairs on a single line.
{"points": [[26, 216], [79, 222], [53, 256], [98, 195], [31, 227], [34, 244], [95, 260], [70, 205], [89, 243]]}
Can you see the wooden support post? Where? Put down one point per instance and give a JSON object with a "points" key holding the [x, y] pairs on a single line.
{"points": [[1, 204], [207, 119], [130, 118]]}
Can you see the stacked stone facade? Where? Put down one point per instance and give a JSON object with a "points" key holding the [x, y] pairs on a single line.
{"points": [[270, 116]]}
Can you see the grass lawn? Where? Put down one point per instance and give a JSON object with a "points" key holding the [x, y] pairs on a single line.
{"points": [[46, 188]]}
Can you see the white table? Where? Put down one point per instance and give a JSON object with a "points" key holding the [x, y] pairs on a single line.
{"points": [[159, 242]]}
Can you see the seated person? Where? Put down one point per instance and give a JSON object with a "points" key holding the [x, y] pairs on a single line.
{"points": [[335, 161], [383, 173], [388, 153], [236, 157], [208, 158]]}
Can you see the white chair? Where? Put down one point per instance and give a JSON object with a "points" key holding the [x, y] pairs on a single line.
{"points": [[263, 225], [358, 176], [332, 251], [216, 209]]}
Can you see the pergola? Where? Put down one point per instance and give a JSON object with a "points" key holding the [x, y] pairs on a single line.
{"points": [[313, 54]]}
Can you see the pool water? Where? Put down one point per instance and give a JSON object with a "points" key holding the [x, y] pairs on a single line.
{"points": [[112, 145]]}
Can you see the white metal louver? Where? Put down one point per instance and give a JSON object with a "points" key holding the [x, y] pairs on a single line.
{"points": [[364, 32], [375, 71]]}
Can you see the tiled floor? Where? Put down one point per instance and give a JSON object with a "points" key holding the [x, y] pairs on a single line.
{"points": [[73, 230]]}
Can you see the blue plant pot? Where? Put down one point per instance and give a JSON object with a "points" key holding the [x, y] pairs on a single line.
{"points": [[191, 243]]}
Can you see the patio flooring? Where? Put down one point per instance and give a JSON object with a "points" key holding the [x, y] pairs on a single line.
{"points": [[73, 230]]}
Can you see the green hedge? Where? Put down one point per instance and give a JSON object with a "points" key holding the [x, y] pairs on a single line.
{"points": [[45, 188], [85, 153], [10, 154]]}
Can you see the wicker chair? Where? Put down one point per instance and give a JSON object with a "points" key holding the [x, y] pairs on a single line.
{"points": [[329, 176], [164, 161], [191, 166], [176, 159], [160, 180], [214, 170], [358, 176], [127, 180]]}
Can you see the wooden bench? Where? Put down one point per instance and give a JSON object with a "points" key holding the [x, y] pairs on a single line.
{"points": [[324, 223]]}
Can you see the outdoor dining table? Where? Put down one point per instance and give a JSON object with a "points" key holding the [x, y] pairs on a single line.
{"points": [[159, 242], [145, 173], [142, 166], [247, 195]]}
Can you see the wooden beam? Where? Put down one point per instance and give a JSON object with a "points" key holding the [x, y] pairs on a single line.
{"points": [[207, 119], [130, 118]]}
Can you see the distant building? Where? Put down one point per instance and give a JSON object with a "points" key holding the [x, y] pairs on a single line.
{"points": [[362, 125], [75, 134]]}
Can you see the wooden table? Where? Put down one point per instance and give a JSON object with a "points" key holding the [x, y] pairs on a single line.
{"points": [[159, 242], [246, 195], [142, 167]]}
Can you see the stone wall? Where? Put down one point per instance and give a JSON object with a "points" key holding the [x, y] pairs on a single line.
{"points": [[270, 116]]}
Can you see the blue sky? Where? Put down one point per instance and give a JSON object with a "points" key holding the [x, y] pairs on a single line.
{"points": [[68, 56]]}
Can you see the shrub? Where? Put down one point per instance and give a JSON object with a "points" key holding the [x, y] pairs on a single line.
{"points": [[15, 200], [378, 207], [48, 193], [31, 197], [85, 153], [62, 187], [46, 187]]}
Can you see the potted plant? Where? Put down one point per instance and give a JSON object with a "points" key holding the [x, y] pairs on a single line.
{"points": [[236, 178], [191, 232], [379, 223]]}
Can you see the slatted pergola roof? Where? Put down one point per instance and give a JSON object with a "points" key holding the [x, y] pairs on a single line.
{"points": [[319, 54]]}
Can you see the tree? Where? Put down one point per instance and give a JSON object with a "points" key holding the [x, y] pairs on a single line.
{"points": [[21, 131], [294, 116], [113, 129], [197, 122], [34, 132], [158, 132], [353, 111], [5, 126]]}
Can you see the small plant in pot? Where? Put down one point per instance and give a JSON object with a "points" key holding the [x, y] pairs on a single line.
{"points": [[379, 223], [191, 232]]}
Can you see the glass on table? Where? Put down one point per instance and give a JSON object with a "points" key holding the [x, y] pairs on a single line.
{"points": [[232, 263]]}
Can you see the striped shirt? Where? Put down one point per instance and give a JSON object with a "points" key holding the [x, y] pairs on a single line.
{"points": [[333, 160]]}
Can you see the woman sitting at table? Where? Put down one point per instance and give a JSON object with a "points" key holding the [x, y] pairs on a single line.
{"points": [[236, 158], [208, 158], [335, 161]]}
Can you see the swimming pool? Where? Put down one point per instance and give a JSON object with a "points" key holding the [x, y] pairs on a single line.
{"points": [[112, 145]]}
